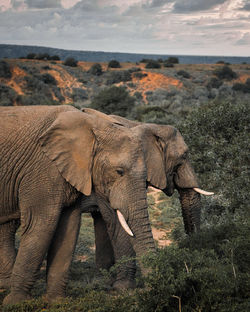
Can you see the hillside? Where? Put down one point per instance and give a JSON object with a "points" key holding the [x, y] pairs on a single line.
{"points": [[168, 89]]}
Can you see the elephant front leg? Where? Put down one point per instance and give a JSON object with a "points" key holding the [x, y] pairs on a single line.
{"points": [[61, 252], [124, 258], [121, 252], [8, 253]]}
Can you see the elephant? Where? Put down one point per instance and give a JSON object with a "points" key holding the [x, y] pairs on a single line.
{"points": [[168, 168], [51, 159]]}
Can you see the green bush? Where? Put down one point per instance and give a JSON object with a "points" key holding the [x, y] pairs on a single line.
{"points": [[114, 100], [225, 72], [218, 135], [184, 74], [153, 64], [48, 79], [42, 56], [243, 87], [169, 65], [214, 83], [54, 58], [96, 69], [79, 94], [172, 60], [31, 56], [118, 76], [70, 61], [7, 95], [140, 75], [5, 71], [114, 64]]}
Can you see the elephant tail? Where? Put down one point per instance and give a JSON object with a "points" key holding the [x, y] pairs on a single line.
{"points": [[14, 216]]}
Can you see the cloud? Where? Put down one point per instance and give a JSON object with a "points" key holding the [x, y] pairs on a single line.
{"points": [[185, 6], [43, 4], [159, 3], [244, 40], [246, 7]]}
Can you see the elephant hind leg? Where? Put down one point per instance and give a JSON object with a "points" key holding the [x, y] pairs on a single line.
{"points": [[8, 253]]}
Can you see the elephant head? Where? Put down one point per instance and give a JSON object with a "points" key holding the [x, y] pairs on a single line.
{"points": [[168, 165], [169, 168], [101, 155]]}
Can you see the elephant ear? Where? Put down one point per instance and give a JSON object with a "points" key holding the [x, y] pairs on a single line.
{"points": [[69, 143], [154, 156]]}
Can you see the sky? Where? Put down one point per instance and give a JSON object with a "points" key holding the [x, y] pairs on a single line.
{"points": [[173, 27]]}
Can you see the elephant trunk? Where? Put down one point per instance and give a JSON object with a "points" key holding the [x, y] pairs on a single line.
{"points": [[142, 241], [191, 208]]}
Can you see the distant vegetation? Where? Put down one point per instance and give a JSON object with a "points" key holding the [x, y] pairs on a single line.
{"points": [[5, 71], [114, 64], [225, 72], [96, 69], [70, 61], [42, 56], [152, 64], [114, 100]]}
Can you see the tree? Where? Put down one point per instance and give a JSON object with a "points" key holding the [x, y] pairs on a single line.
{"points": [[70, 61], [114, 100], [225, 72], [114, 64], [153, 64], [96, 69]]}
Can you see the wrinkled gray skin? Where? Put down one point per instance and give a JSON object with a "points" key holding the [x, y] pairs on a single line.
{"points": [[168, 168], [51, 159]]}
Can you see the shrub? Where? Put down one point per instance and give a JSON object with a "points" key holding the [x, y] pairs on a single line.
{"points": [[7, 95], [114, 100], [243, 87], [140, 75], [96, 69], [153, 64], [225, 72], [36, 99], [166, 64], [47, 78], [217, 135], [54, 58], [31, 56], [118, 76], [42, 56], [184, 74], [5, 71], [70, 61], [172, 60], [79, 94], [214, 83], [114, 64]]}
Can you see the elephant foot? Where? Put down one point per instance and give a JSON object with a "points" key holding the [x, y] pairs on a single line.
{"points": [[14, 298], [124, 284]]}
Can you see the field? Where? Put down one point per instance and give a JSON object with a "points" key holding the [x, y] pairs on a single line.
{"points": [[210, 105]]}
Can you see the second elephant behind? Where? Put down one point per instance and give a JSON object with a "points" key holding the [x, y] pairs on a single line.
{"points": [[168, 168]]}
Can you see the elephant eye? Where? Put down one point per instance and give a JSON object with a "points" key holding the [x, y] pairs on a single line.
{"points": [[120, 171]]}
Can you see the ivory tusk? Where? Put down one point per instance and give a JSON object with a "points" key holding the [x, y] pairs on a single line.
{"points": [[198, 190], [124, 223]]}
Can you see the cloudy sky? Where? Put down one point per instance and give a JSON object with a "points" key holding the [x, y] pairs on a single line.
{"points": [[195, 27]]}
